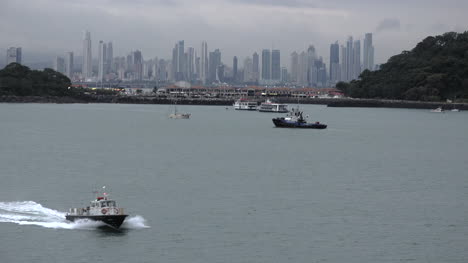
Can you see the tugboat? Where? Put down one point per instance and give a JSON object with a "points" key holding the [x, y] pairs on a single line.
{"points": [[296, 120], [102, 209]]}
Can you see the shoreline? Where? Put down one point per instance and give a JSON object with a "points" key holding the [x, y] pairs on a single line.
{"points": [[343, 102]]}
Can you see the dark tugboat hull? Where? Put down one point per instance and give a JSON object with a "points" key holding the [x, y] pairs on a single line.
{"points": [[282, 123], [114, 221]]}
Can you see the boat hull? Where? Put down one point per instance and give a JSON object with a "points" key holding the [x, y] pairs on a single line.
{"points": [[274, 111], [282, 123], [111, 220]]}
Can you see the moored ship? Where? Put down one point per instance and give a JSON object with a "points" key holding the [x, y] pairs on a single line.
{"points": [[245, 104], [101, 209], [269, 106]]}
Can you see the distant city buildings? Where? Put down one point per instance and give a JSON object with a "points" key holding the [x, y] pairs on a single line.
{"points": [[305, 68], [14, 55]]}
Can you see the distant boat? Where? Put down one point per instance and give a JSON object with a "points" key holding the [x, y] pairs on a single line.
{"points": [[269, 106], [177, 115], [245, 104], [438, 109], [455, 110]]}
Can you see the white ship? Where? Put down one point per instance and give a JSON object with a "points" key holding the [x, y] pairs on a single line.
{"points": [[245, 104], [269, 106]]}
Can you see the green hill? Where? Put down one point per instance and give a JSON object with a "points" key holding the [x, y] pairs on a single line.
{"points": [[436, 69], [19, 80]]}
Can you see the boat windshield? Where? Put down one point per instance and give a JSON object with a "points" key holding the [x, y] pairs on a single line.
{"points": [[107, 203]]}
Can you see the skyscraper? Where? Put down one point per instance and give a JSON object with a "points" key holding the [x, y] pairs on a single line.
{"points": [[138, 64], [357, 59], [109, 58], [190, 64], [368, 52], [101, 60], [69, 64], [234, 69], [248, 70], [311, 69], [87, 69], [334, 62], [215, 62], [266, 64], [181, 72], [255, 67], [349, 59], [59, 64], [294, 66], [275, 65], [344, 64], [204, 62], [14, 55]]}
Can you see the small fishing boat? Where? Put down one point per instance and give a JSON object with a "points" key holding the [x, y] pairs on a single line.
{"points": [[178, 115], [101, 209]]}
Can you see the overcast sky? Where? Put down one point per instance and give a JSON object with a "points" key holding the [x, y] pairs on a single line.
{"points": [[236, 27]]}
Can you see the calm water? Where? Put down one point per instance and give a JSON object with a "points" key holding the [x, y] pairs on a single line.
{"points": [[379, 185]]}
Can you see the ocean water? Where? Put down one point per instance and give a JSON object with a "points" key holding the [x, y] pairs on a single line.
{"points": [[378, 185]]}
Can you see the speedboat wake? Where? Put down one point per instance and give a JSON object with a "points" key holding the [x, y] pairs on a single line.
{"points": [[32, 213]]}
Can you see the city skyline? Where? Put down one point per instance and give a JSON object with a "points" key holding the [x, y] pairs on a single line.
{"points": [[237, 27]]}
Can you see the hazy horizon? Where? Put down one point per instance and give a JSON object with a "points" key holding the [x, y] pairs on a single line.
{"points": [[46, 28]]}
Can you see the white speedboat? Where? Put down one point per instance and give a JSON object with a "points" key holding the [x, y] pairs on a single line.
{"points": [[438, 109], [269, 106], [245, 104], [101, 209]]}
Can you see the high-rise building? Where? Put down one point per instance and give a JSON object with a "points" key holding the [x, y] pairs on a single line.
{"points": [[350, 59], [248, 70], [344, 64], [302, 75], [234, 69], [294, 66], [357, 59], [190, 64], [266, 64], [109, 58], [14, 55], [275, 65], [101, 60], [138, 65], [181, 70], [204, 63], [87, 69], [284, 74], [59, 64], [311, 68], [255, 67], [69, 64], [334, 67], [214, 63], [368, 56]]}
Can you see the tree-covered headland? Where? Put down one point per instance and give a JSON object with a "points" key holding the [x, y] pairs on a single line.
{"points": [[436, 69]]}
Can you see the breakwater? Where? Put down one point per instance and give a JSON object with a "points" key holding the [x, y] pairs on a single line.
{"points": [[344, 102]]}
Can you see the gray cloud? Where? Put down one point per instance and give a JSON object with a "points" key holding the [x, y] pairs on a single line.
{"points": [[290, 3], [388, 24]]}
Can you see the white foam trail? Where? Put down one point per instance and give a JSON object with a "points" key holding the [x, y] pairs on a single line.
{"points": [[32, 213], [134, 222]]}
